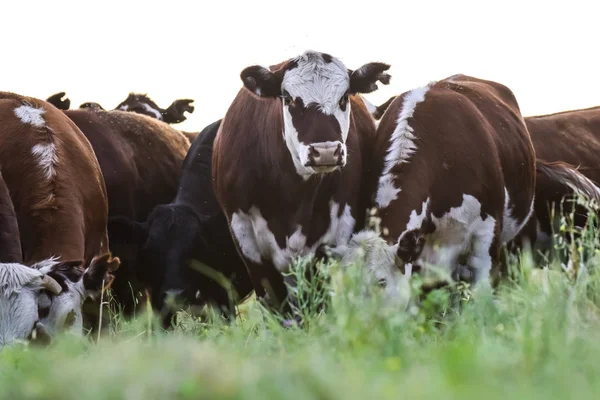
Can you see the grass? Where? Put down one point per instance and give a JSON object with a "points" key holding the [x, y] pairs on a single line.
{"points": [[537, 337]]}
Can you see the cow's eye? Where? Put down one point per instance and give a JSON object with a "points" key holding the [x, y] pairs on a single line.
{"points": [[287, 99], [43, 312], [344, 102], [382, 282]]}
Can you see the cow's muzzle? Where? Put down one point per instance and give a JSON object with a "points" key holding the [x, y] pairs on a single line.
{"points": [[327, 155]]}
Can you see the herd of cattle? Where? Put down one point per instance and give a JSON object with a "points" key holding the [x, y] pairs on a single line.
{"points": [[92, 199]]}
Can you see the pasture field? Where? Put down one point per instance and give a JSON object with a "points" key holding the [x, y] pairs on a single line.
{"points": [[537, 337]]}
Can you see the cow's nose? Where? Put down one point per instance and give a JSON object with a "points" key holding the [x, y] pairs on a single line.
{"points": [[326, 154]]}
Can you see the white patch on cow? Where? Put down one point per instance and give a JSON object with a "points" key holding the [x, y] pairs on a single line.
{"points": [[258, 243], [367, 249], [461, 231], [320, 83], [124, 107], [47, 158], [401, 148], [154, 111], [30, 115], [511, 226]]}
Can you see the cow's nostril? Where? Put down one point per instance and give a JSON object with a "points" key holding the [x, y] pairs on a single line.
{"points": [[338, 151], [313, 152]]}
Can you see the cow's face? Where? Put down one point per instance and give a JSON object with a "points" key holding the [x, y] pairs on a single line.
{"points": [[63, 311], [20, 291], [314, 89], [141, 104]]}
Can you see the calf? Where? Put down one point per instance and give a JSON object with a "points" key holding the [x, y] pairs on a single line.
{"points": [[60, 204], [287, 162], [457, 175], [191, 227], [141, 159]]}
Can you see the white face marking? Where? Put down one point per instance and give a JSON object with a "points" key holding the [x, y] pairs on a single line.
{"points": [[124, 107], [47, 158], [258, 243], [19, 290], [31, 115], [512, 226], [318, 83], [154, 111], [461, 231], [367, 248], [402, 146]]}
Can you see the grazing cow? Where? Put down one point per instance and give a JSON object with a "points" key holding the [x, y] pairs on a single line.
{"points": [[141, 160], [192, 227], [287, 162], [60, 205], [566, 140], [457, 175]]}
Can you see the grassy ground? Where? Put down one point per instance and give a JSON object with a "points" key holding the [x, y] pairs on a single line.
{"points": [[536, 338]]}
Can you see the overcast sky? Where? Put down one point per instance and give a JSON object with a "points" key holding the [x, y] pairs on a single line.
{"points": [[99, 51]]}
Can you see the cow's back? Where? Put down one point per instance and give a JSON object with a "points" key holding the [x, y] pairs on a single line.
{"points": [[140, 158], [54, 179]]}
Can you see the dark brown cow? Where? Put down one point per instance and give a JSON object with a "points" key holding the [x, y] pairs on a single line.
{"points": [[570, 141], [457, 175], [571, 137], [59, 199], [141, 159], [287, 163]]}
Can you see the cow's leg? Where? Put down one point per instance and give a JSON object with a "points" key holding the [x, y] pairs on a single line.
{"points": [[485, 250]]}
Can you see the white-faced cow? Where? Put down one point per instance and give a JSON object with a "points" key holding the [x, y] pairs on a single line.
{"points": [[287, 162], [59, 198]]}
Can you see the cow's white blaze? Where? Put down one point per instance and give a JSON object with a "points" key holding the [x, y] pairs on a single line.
{"points": [[316, 82], [31, 115], [47, 158], [124, 107], [461, 231], [257, 242], [401, 148], [154, 111]]}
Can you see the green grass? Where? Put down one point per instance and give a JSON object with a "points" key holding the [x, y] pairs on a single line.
{"points": [[530, 340]]}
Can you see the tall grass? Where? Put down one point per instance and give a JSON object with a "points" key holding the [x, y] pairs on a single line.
{"points": [[536, 336]]}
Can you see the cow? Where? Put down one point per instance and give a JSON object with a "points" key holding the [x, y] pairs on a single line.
{"points": [[140, 159], [60, 205], [457, 176], [570, 141], [191, 227], [287, 163], [59, 101]]}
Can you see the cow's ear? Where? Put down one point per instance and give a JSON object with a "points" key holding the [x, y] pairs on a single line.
{"points": [[174, 114], [67, 270], [364, 79], [261, 81], [57, 101], [99, 274]]}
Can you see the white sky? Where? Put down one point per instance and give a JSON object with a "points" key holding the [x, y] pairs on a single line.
{"points": [[548, 54]]}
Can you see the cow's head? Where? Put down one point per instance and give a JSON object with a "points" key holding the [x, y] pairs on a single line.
{"points": [[142, 104], [46, 297], [160, 249], [314, 90], [90, 105]]}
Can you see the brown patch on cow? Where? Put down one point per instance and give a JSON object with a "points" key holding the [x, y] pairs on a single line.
{"points": [[312, 125]]}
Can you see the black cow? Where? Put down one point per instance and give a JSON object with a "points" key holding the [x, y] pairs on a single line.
{"points": [[192, 227]]}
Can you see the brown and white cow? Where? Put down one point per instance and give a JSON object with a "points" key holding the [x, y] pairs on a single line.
{"points": [[59, 199], [567, 145], [287, 161], [457, 175], [141, 161]]}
